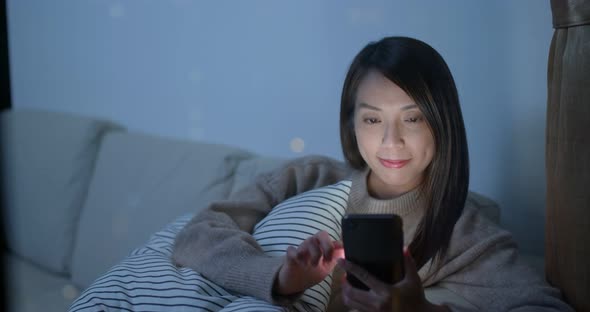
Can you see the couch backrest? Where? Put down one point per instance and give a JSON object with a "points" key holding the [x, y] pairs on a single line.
{"points": [[141, 183], [249, 169], [47, 160], [81, 194]]}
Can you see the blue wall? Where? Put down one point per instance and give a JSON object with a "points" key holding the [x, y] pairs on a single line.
{"points": [[259, 73]]}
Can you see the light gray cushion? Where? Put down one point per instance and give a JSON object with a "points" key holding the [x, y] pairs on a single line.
{"points": [[147, 280], [140, 184], [31, 288], [298, 218], [47, 161]]}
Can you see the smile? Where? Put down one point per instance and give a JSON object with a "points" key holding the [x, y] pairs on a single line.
{"points": [[397, 164]]}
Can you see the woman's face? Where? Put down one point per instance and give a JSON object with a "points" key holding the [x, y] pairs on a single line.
{"points": [[393, 137]]}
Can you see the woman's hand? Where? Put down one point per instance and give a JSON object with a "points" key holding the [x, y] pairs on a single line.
{"points": [[308, 264], [406, 295]]}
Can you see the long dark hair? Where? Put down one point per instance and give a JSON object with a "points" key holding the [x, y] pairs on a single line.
{"points": [[423, 74]]}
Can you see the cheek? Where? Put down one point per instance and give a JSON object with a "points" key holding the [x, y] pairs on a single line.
{"points": [[365, 141], [360, 141], [429, 149]]}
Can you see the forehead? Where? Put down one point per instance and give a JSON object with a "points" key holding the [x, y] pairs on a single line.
{"points": [[376, 90]]}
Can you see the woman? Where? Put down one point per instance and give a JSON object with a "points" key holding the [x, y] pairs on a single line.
{"points": [[403, 137]]}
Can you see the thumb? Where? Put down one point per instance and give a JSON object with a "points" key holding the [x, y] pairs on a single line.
{"points": [[411, 273], [338, 253]]}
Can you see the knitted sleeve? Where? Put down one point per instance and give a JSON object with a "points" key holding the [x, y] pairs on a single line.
{"points": [[218, 243]]}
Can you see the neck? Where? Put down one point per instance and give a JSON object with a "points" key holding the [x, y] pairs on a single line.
{"points": [[364, 198], [410, 206]]}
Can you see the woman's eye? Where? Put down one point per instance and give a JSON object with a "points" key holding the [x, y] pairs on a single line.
{"points": [[371, 121], [413, 119]]}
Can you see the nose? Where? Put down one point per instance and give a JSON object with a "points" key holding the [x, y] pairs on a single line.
{"points": [[392, 138]]}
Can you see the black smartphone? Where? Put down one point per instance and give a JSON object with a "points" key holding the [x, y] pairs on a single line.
{"points": [[374, 242]]}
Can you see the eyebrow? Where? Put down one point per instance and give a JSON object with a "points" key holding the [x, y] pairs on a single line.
{"points": [[367, 106]]}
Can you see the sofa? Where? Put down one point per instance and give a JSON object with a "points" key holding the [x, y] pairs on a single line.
{"points": [[79, 193]]}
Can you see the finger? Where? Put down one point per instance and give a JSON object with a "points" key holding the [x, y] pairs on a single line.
{"points": [[338, 251], [309, 252], [356, 298], [315, 251], [411, 273], [353, 305], [303, 253], [363, 275], [325, 244], [292, 254]]}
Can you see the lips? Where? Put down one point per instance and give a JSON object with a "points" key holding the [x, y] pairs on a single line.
{"points": [[397, 164]]}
